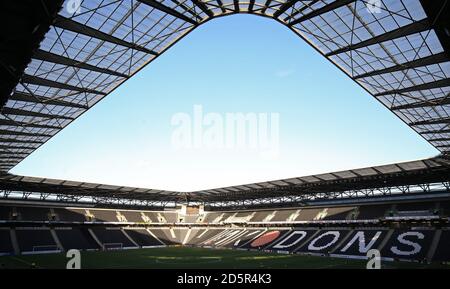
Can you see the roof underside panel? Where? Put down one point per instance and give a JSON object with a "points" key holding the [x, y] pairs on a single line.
{"points": [[398, 52], [83, 57], [420, 172]]}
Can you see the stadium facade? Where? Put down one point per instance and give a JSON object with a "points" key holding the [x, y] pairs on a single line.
{"points": [[398, 51]]}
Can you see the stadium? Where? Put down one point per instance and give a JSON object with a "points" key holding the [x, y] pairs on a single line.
{"points": [[56, 64]]}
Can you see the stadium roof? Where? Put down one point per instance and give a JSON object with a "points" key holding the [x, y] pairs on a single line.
{"points": [[421, 172], [399, 54]]}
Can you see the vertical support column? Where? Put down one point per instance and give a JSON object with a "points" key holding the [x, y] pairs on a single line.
{"points": [[338, 245], [434, 244], [96, 239], [386, 239], [14, 242], [56, 239], [129, 238]]}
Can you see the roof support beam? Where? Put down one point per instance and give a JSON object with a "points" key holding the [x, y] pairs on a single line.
{"points": [[221, 6], [266, 5], [283, 8], [236, 5], [9, 122], [251, 6], [188, 9], [203, 7], [22, 133], [8, 147], [327, 8], [168, 10], [22, 96], [440, 139], [429, 85], [431, 121], [428, 60], [31, 79], [432, 102], [437, 12], [12, 140], [16, 111], [406, 30], [58, 59], [11, 157], [307, 5], [71, 25], [436, 131]]}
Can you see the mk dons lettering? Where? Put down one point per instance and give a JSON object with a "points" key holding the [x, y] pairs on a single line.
{"points": [[415, 247], [362, 246], [312, 246], [405, 244], [291, 240]]}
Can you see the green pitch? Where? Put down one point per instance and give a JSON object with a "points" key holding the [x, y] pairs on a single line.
{"points": [[191, 258]]}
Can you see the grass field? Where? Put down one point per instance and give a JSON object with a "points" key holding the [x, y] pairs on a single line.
{"points": [[192, 258]]}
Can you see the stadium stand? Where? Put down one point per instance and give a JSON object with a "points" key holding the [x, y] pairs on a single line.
{"points": [[5, 213], [133, 216], [402, 209], [282, 215], [442, 252], [69, 215], [142, 237], [399, 247], [169, 217], [33, 213], [340, 213], [35, 240], [373, 211], [292, 230], [76, 238], [308, 214], [112, 238], [444, 208], [203, 235], [5, 241]]}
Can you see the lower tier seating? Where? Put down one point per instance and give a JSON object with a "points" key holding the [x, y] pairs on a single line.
{"points": [[406, 243]]}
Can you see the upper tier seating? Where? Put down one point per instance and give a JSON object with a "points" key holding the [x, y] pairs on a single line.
{"points": [[444, 208], [282, 215], [69, 215], [368, 212], [340, 213], [33, 214], [308, 214], [104, 215], [5, 213]]}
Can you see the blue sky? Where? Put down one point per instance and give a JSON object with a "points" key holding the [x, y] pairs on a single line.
{"points": [[240, 63]]}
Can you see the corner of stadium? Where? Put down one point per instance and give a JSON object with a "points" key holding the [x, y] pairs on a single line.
{"points": [[55, 66]]}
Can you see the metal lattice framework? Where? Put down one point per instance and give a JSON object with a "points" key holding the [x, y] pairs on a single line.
{"points": [[398, 52], [409, 178]]}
